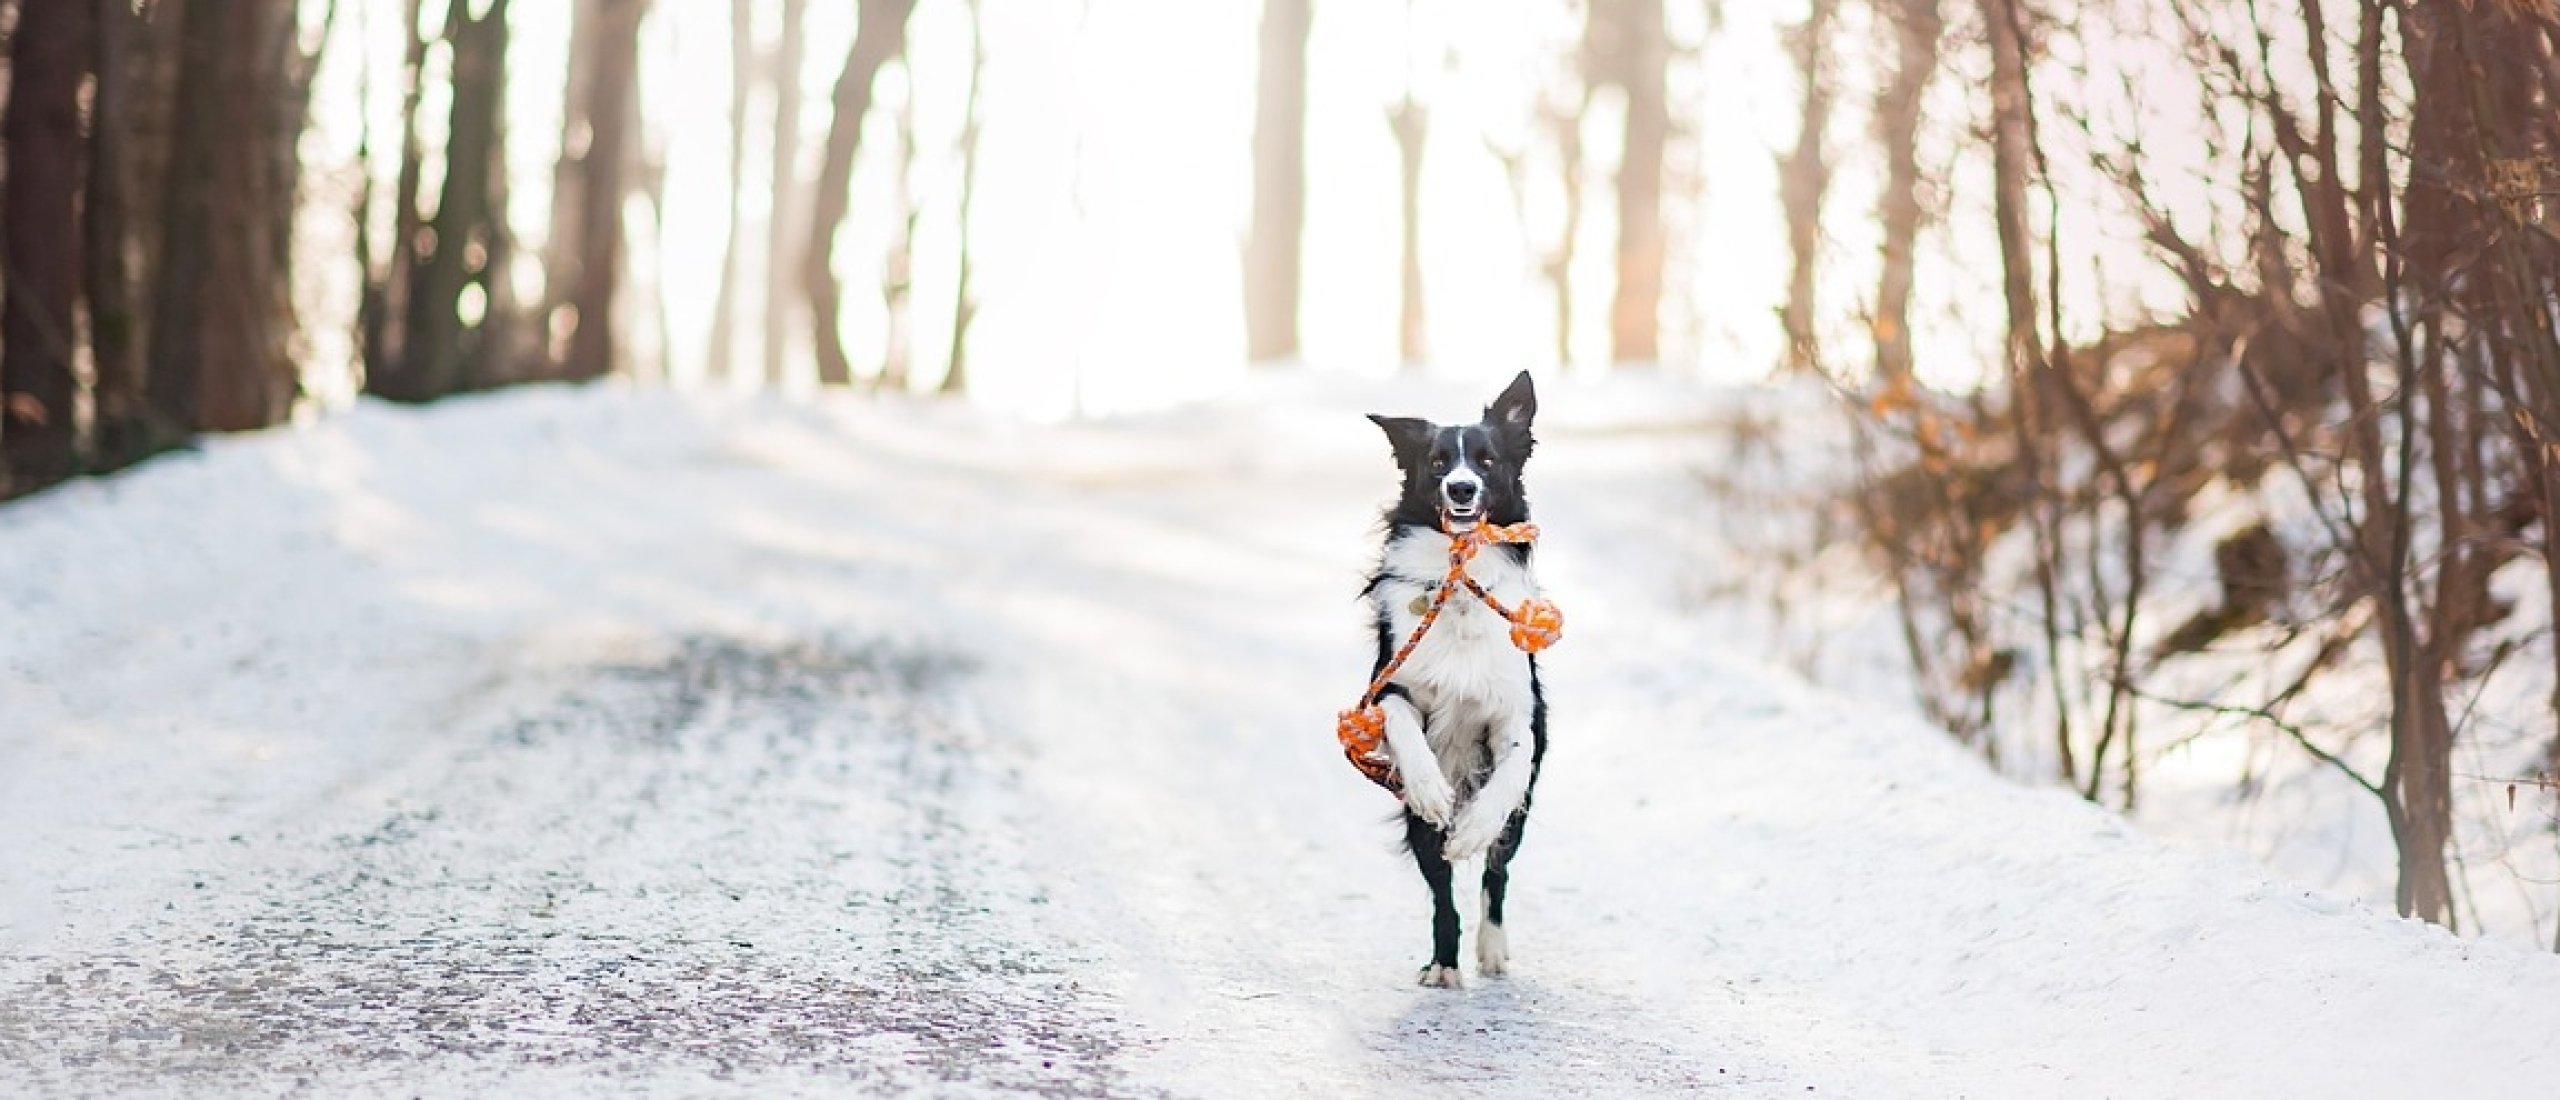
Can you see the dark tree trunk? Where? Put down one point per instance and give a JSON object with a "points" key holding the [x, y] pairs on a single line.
{"points": [[223, 308], [122, 430], [1628, 45], [568, 180], [1804, 179], [386, 324], [787, 236], [881, 35], [465, 248], [1917, 27], [596, 271], [177, 359], [49, 56], [248, 378], [1272, 253]]}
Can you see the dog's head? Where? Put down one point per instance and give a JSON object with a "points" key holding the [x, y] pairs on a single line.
{"points": [[1466, 472]]}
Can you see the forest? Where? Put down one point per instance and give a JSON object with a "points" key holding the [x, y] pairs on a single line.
{"points": [[2177, 382]]}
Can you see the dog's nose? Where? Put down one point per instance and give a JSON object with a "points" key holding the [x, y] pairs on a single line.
{"points": [[1462, 492]]}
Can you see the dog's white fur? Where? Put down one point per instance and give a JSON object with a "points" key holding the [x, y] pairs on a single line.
{"points": [[1467, 681], [1493, 949]]}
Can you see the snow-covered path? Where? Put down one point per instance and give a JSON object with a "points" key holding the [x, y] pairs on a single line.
{"points": [[610, 744]]}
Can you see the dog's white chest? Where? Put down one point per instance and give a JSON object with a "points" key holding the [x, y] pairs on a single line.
{"points": [[1467, 659]]}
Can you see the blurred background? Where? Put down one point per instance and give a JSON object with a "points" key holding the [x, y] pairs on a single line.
{"points": [[1467, 188]]}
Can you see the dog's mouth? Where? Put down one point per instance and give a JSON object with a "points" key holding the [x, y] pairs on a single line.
{"points": [[1462, 500]]}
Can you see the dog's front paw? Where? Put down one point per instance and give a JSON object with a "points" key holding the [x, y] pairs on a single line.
{"points": [[1427, 794], [1478, 826], [1436, 976]]}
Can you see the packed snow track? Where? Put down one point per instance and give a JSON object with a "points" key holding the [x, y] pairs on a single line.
{"points": [[610, 743]]}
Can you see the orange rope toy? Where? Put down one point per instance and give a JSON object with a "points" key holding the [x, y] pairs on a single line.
{"points": [[1535, 625]]}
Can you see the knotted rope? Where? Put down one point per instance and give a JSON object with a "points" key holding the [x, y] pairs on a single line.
{"points": [[1535, 625]]}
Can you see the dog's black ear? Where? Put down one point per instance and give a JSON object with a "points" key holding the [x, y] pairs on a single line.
{"points": [[1411, 437], [1511, 412]]}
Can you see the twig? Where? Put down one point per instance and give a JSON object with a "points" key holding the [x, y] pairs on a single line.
{"points": [[2263, 715]]}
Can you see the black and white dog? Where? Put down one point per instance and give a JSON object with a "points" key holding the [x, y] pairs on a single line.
{"points": [[1466, 719]]}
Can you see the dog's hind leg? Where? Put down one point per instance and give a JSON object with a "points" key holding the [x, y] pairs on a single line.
{"points": [[1493, 946], [1424, 838]]}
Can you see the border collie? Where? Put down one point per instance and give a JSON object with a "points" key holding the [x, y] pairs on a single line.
{"points": [[1466, 719]]}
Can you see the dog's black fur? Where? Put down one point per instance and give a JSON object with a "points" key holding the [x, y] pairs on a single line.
{"points": [[1497, 449]]}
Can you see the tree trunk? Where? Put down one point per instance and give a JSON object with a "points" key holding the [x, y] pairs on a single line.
{"points": [[1917, 28], [1804, 179], [223, 309], [1273, 252], [568, 178], [2480, 313], [386, 328], [186, 221], [1411, 123], [1558, 265], [121, 433], [464, 252], [2011, 160], [647, 169], [897, 277], [721, 359], [785, 237], [249, 354], [49, 56], [596, 270], [881, 36], [955, 381], [1629, 46]]}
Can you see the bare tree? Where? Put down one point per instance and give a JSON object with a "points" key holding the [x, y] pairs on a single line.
{"points": [[897, 274], [603, 163], [1272, 253], [456, 334], [1410, 121], [1917, 28], [881, 35], [121, 432], [1805, 178], [48, 59], [385, 311], [722, 355], [1627, 44], [223, 308], [2379, 348], [964, 309], [786, 237]]}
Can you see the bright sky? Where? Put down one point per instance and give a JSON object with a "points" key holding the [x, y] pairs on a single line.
{"points": [[1115, 189]]}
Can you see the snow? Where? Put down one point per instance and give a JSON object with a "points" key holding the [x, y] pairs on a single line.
{"points": [[617, 742]]}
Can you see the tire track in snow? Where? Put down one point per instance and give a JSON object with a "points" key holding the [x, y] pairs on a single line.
{"points": [[781, 866]]}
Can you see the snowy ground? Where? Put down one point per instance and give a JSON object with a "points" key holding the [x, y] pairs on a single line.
{"points": [[611, 744]]}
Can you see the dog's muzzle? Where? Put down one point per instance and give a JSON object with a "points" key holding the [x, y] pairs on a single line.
{"points": [[1461, 497]]}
